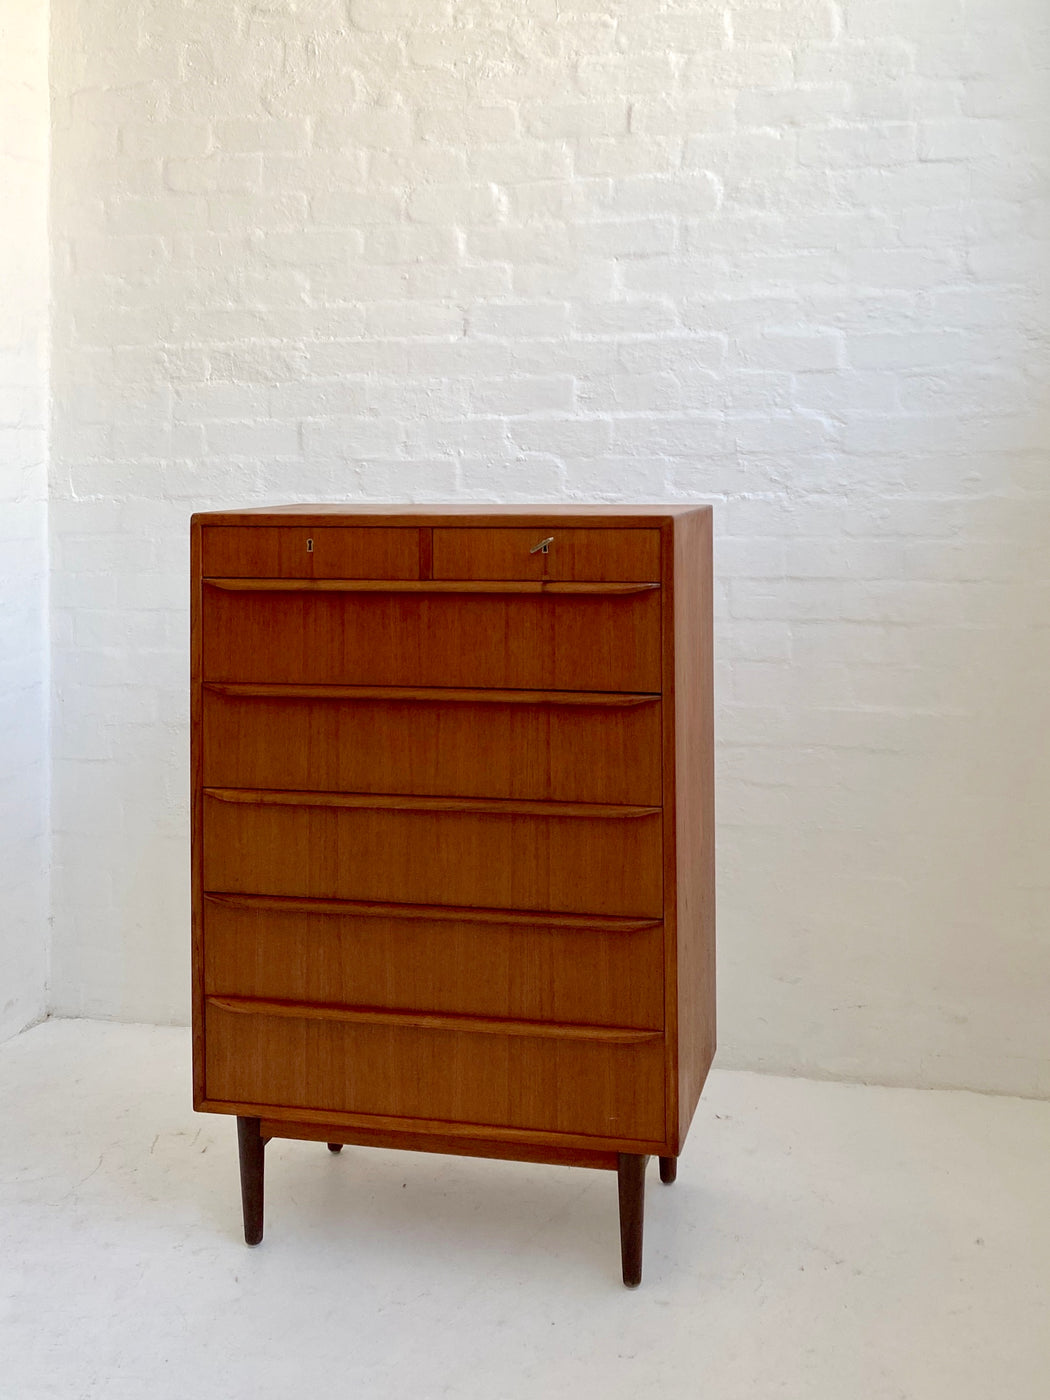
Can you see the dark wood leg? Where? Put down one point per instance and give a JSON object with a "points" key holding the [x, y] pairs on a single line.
{"points": [[668, 1169], [252, 1147], [630, 1172], [335, 1147]]}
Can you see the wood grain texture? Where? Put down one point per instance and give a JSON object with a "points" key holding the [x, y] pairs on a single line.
{"points": [[426, 552], [443, 1143], [448, 695], [668, 720], [521, 970], [396, 802], [441, 586], [449, 912], [196, 816], [544, 1084], [593, 517], [571, 864], [299, 552], [488, 640], [572, 555], [517, 1138], [433, 1021], [694, 832], [564, 753]]}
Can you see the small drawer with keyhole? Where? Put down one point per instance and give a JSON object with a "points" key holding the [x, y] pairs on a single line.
{"points": [[290, 551], [560, 555]]}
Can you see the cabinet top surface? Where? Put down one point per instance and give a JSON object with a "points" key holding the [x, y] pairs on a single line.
{"points": [[335, 513]]}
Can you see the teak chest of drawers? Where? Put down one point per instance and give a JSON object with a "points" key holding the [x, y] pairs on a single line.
{"points": [[453, 848]]}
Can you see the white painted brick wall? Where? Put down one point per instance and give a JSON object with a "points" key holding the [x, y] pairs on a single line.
{"points": [[23, 512], [786, 257]]}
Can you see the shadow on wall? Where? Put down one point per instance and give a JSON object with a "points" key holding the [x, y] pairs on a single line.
{"points": [[897, 841]]}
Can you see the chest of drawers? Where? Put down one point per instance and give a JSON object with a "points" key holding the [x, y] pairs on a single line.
{"points": [[453, 847]]}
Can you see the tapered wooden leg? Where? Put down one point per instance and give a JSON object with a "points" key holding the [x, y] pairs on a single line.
{"points": [[630, 1171], [668, 1169], [252, 1147], [335, 1147]]}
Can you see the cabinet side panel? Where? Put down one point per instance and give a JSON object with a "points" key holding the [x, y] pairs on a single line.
{"points": [[196, 814], [694, 809]]}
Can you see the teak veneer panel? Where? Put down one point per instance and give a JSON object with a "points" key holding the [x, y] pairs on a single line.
{"points": [[475, 1146], [371, 585], [529, 642], [572, 554], [379, 909], [449, 695], [536, 1139], [591, 517], [381, 801], [547, 1084], [436, 1021], [693, 809], [568, 753], [573, 864], [527, 971], [324, 552]]}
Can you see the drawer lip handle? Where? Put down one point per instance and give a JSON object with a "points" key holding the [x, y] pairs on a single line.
{"points": [[356, 585], [437, 913], [596, 699], [434, 1021], [382, 801]]}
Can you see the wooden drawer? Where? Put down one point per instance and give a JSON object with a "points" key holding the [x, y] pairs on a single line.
{"points": [[435, 851], [573, 969], [581, 555], [604, 641], [290, 551], [569, 747], [294, 1058]]}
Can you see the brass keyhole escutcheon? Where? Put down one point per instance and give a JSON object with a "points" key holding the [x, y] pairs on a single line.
{"points": [[309, 546], [543, 547]]}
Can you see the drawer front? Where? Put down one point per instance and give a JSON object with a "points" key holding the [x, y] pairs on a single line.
{"points": [[513, 641], [572, 555], [546, 1084], [296, 551], [572, 752], [610, 976], [575, 864]]}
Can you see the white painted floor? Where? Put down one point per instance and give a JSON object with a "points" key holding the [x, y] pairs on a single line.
{"points": [[823, 1242]]}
